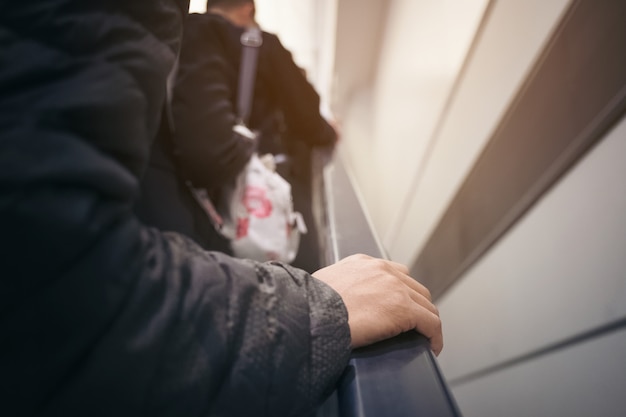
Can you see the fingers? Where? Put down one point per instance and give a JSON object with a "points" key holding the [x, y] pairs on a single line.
{"points": [[427, 320], [427, 317], [395, 301], [410, 281], [394, 268], [429, 324], [415, 286], [423, 301]]}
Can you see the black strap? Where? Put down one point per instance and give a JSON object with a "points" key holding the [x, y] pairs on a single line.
{"points": [[251, 40]]}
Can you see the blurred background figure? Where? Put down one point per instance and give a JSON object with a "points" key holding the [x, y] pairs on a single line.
{"points": [[285, 115]]}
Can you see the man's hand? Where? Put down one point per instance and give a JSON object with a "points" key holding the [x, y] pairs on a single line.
{"points": [[382, 300]]}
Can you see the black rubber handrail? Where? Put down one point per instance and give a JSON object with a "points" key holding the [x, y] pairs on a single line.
{"points": [[395, 378]]}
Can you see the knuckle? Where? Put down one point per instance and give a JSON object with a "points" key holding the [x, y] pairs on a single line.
{"points": [[360, 257], [379, 263], [396, 297]]}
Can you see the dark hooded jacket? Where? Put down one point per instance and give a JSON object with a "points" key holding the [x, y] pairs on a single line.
{"points": [[100, 315]]}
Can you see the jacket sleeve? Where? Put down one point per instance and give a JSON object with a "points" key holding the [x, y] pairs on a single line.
{"points": [[295, 95], [100, 315], [210, 153]]}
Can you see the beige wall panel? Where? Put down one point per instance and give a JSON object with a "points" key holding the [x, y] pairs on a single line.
{"points": [[559, 272], [511, 40]]}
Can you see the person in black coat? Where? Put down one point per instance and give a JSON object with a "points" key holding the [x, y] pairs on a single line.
{"points": [[204, 149], [101, 315], [286, 107]]}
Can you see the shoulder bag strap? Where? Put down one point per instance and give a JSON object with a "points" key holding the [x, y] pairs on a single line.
{"points": [[251, 40]]}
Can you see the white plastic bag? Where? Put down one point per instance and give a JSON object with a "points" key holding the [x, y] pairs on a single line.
{"points": [[261, 223]]}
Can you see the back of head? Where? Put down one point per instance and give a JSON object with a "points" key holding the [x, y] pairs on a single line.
{"points": [[238, 12]]}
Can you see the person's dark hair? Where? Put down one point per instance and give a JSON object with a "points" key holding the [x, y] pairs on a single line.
{"points": [[227, 4]]}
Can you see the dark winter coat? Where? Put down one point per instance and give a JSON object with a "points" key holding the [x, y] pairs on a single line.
{"points": [[203, 149], [100, 315], [207, 86]]}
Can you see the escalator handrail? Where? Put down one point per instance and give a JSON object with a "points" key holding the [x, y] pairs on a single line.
{"points": [[397, 377]]}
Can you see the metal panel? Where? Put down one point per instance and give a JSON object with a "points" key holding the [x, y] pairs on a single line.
{"points": [[559, 273], [583, 381], [576, 92]]}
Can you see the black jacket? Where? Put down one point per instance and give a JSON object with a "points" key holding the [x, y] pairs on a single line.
{"points": [[205, 97], [100, 315], [204, 150]]}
